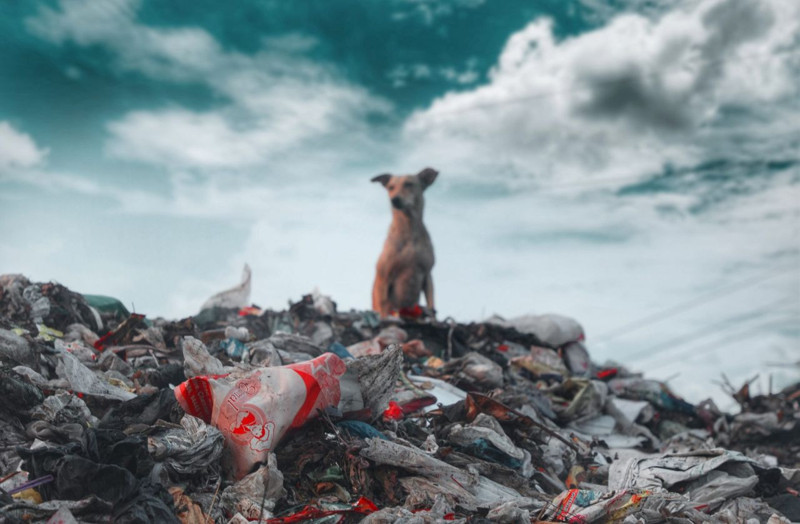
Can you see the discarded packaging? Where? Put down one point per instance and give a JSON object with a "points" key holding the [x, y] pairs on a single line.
{"points": [[240, 414]]}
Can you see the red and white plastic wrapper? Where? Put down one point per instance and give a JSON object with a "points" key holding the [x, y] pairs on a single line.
{"points": [[254, 410]]}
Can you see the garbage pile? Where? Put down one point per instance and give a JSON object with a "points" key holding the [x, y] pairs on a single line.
{"points": [[239, 414]]}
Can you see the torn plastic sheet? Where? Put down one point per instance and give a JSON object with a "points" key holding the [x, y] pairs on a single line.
{"points": [[63, 516], [542, 362], [445, 393], [263, 486], [745, 509], [475, 489], [577, 398], [17, 349], [236, 297], [633, 409], [16, 395], [475, 369], [656, 393], [84, 380], [486, 428], [552, 329], [197, 361], [705, 476], [362, 506], [603, 428], [585, 506], [193, 448], [92, 507]]}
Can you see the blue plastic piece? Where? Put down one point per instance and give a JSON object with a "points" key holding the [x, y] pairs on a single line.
{"points": [[339, 350], [233, 347], [360, 429]]}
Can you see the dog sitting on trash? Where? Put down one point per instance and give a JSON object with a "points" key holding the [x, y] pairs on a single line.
{"points": [[404, 267]]}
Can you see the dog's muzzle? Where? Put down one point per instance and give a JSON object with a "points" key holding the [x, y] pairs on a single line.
{"points": [[397, 203]]}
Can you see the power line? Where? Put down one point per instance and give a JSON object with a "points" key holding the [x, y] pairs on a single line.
{"points": [[738, 335], [708, 330], [680, 308]]}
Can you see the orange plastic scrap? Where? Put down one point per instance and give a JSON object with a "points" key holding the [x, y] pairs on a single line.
{"points": [[362, 506], [625, 503], [250, 311], [478, 403], [577, 474], [565, 506]]}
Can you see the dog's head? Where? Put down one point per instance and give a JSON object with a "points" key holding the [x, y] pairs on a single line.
{"points": [[405, 192]]}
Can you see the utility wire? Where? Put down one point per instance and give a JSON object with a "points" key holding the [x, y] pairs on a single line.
{"points": [[706, 331], [736, 335], [654, 318]]}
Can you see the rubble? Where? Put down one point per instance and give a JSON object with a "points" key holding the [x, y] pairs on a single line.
{"points": [[239, 414]]}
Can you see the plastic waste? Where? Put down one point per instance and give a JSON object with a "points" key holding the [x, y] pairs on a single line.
{"points": [[494, 424], [235, 297], [193, 448], [197, 361], [254, 496], [475, 370], [16, 349], [553, 330], [84, 380], [254, 410]]}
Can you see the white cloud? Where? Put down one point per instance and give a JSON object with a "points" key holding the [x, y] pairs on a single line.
{"points": [[429, 11], [273, 102], [181, 138], [402, 74], [18, 150], [625, 99]]}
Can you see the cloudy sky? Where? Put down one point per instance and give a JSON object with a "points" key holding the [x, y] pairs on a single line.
{"points": [[631, 163]]}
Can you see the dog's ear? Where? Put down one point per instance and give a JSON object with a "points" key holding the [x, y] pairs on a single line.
{"points": [[427, 176], [383, 179]]}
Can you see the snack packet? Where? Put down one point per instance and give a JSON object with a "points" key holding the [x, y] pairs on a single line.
{"points": [[254, 409]]}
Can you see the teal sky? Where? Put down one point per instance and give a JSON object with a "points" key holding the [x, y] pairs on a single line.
{"points": [[607, 160]]}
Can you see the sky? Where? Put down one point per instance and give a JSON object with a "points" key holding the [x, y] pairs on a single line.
{"points": [[633, 164]]}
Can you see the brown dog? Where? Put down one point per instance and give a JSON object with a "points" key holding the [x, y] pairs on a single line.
{"points": [[404, 267]]}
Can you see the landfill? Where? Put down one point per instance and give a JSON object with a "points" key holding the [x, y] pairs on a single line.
{"points": [[240, 414]]}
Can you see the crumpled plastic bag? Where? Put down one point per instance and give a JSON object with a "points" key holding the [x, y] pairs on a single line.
{"points": [[198, 361], [16, 349], [84, 380], [194, 448], [486, 432], [577, 398], [235, 297], [16, 394], [476, 370], [553, 330], [708, 476], [374, 346], [253, 410], [263, 485], [586, 506]]}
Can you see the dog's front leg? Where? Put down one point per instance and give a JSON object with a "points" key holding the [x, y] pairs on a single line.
{"points": [[428, 290], [380, 296]]}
